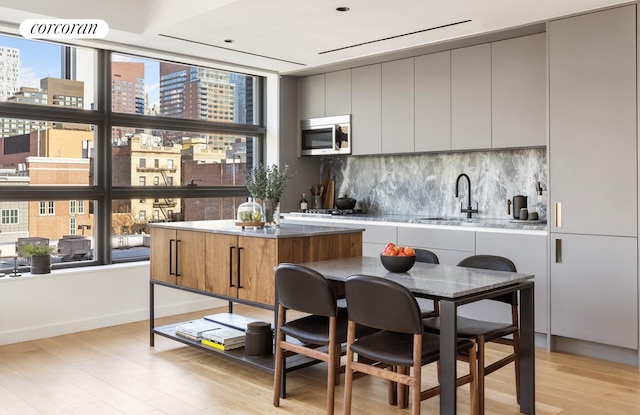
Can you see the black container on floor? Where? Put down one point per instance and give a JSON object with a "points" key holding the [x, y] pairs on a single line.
{"points": [[258, 339]]}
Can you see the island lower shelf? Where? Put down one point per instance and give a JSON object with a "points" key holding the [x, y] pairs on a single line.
{"points": [[264, 363]]}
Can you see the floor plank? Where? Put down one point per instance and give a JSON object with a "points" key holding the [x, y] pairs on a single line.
{"points": [[114, 371]]}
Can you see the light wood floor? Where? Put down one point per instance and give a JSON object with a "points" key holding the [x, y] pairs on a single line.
{"points": [[114, 371]]}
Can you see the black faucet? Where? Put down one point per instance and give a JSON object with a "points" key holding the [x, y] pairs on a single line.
{"points": [[469, 209]]}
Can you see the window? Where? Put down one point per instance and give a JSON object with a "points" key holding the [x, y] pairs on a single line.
{"points": [[71, 135], [72, 226], [47, 208], [9, 216]]}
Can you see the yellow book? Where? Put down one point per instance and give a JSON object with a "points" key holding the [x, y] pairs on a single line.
{"points": [[219, 346]]}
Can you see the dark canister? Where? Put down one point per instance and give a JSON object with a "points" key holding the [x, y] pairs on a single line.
{"points": [[519, 202], [258, 339]]}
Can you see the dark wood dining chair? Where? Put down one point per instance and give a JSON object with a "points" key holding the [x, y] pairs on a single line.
{"points": [[319, 334], [487, 331], [428, 308], [401, 344]]}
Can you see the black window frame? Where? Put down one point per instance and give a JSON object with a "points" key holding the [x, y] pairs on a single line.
{"points": [[102, 191]]}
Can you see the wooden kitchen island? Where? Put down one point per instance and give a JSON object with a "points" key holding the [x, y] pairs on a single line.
{"points": [[222, 260]]}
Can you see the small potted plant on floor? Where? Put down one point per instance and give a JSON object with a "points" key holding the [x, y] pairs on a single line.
{"points": [[40, 255]]}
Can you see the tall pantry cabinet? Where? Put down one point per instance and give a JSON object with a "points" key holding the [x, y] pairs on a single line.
{"points": [[593, 209]]}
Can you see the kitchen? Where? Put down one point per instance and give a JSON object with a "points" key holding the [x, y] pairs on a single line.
{"points": [[597, 191], [583, 168]]}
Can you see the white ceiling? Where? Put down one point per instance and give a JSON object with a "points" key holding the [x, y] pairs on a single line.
{"points": [[295, 36]]}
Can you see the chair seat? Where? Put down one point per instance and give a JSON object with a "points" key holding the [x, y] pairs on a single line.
{"points": [[397, 348], [314, 329], [468, 327]]}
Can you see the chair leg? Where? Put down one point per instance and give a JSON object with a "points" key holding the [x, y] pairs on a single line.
{"points": [[348, 373], [480, 371], [417, 375], [473, 385], [331, 366], [392, 394], [516, 363], [277, 378]]}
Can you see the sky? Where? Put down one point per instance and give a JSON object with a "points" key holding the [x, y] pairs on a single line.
{"points": [[41, 59]]}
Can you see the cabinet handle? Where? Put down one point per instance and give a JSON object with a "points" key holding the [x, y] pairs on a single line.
{"points": [[239, 273], [177, 256], [558, 215], [231, 248], [558, 251], [171, 241]]}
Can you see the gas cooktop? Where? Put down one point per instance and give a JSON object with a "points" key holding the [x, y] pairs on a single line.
{"points": [[331, 212]]}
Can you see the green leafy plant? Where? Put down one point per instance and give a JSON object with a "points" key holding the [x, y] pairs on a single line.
{"points": [[28, 250], [267, 182]]}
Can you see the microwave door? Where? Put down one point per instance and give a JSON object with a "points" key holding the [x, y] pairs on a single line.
{"points": [[317, 141]]}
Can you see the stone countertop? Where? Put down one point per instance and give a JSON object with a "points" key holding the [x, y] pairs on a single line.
{"points": [[430, 221], [228, 227], [439, 281]]}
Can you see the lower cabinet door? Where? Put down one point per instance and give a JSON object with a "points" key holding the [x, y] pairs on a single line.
{"points": [[594, 288]]}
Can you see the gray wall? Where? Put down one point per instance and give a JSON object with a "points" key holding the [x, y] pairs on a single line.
{"points": [[424, 184]]}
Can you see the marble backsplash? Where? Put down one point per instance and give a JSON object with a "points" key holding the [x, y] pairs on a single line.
{"points": [[424, 184]]}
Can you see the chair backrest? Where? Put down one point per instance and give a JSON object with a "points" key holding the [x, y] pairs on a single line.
{"points": [[303, 289], [382, 304], [424, 255], [493, 262]]}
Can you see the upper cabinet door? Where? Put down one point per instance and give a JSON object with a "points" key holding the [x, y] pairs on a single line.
{"points": [[366, 98], [338, 93], [398, 106], [592, 123], [433, 102], [471, 97], [311, 96], [518, 84]]}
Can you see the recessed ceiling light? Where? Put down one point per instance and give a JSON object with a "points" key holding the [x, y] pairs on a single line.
{"points": [[229, 41], [342, 9]]}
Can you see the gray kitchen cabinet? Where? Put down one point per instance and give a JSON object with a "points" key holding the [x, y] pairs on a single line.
{"points": [[374, 237], [471, 97], [529, 254], [398, 106], [593, 186], [337, 93], [366, 104], [518, 92], [451, 246], [592, 124], [311, 98], [433, 102], [594, 289]]}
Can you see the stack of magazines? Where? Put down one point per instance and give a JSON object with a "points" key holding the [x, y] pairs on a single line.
{"points": [[194, 329], [224, 338]]}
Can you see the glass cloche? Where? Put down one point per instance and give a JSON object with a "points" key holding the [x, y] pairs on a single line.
{"points": [[250, 212]]}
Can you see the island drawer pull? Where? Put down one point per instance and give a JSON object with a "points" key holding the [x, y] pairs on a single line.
{"points": [[231, 248], [177, 256], [239, 273], [171, 241]]}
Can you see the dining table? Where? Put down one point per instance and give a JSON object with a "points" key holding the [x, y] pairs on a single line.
{"points": [[454, 286]]}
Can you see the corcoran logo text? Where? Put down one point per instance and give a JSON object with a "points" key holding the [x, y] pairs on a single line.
{"points": [[64, 28]]}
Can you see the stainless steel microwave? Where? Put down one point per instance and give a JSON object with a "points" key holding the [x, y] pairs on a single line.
{"points": [[325, 136]]}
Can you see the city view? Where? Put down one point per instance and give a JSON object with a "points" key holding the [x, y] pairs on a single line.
{"points": [[37, 152]]}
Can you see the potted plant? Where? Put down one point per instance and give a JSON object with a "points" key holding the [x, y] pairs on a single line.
{"points": [[40, 255], [267, 183]]}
